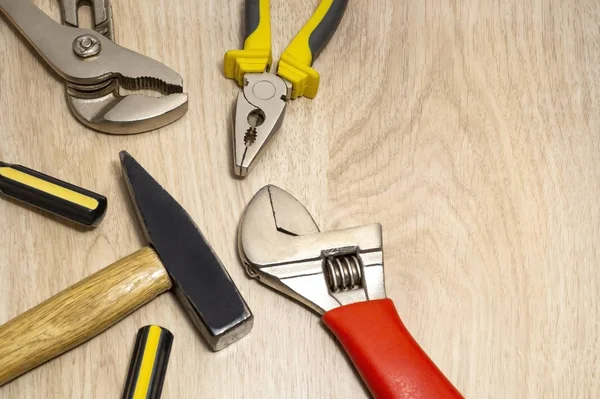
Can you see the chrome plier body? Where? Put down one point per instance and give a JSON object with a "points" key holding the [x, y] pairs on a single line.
{"points": [[94, 68], [261, 105]]}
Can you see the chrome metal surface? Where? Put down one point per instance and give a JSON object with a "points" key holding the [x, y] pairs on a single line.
{"points": [[102, 11], [280, 245], [62, 47], [259, 113], [343, 273], [86, 46]]}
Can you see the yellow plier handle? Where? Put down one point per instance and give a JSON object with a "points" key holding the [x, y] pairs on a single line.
{"points": [[256, 56], [296, 61]]}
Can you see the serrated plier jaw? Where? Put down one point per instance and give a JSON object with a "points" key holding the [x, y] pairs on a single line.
{"points": [[258, 116]]}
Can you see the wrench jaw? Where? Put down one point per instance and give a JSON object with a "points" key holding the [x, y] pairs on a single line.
{"points": [[310, 281], [307, 285], [321, 270]]}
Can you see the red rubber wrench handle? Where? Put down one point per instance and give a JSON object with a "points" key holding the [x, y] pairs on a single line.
{"points": [[390, 361]]}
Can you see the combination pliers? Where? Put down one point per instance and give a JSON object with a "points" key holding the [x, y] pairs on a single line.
{"points": [[261, 105]]}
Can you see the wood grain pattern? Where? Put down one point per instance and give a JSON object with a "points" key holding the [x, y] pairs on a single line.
{"points": [[470, 129], [80, 312]]}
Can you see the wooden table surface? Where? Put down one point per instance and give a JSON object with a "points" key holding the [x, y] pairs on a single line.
{"points": [[470, 130]]}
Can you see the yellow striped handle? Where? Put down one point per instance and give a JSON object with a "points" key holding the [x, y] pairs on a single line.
{"points": [[52, 195], [256, 56], [149, 363], [296, 61]]}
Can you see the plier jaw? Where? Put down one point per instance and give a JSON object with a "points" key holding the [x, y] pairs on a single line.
{"points": [[110, 112], [94, 68], [258, 116], [250, 66]]}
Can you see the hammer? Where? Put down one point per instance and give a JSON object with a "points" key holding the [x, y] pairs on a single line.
{"points": [[178, 257]]}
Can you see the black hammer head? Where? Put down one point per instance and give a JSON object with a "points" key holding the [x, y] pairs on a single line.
{"points": [[199, 279]]}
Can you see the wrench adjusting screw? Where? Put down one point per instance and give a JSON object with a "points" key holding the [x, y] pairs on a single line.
{"points": [[343, 273]]}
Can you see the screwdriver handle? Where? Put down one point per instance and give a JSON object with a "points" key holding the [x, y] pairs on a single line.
{"points": [[51, 194], [149, 362], [390, 361]]}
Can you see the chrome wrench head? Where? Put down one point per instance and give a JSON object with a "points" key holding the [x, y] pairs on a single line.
{"points": [[259, 113], [281, 246]]}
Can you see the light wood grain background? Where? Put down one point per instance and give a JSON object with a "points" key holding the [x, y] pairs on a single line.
{"points": [[470, 129]]}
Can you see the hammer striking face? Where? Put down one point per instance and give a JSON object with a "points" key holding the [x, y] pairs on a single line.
{"points": [[179, 257]]}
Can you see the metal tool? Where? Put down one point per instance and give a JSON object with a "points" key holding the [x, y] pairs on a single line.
{"points": [[94, 68], [339, 274], [261, 105], [50, 194], [149, 362], [179, 257]]}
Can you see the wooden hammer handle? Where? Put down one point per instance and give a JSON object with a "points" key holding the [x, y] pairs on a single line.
{"points": [[80, 312]]}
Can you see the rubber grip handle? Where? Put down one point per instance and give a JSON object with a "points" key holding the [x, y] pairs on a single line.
{"points": [[296, 61], [258, 27], [326, 27], [251, 16], [80, 312], [149, 362], [256, 56], [53, 195], [390, 361]]}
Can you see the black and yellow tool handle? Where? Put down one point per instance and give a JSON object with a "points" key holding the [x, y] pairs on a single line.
{"points": [[296, 61], [80, 312], [316, 33], [257, 24], [149, 362], [256, 56], [51, 194]]}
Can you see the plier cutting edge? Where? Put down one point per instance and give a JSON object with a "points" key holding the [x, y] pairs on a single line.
{"points": [[94, 68], [261, 105]]}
